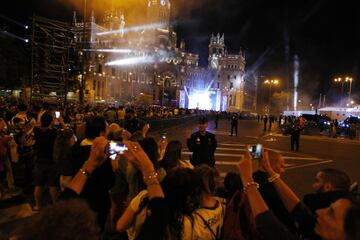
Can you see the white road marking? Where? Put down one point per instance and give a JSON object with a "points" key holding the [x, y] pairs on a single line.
{"points": [[219, 154], [227, 163], [232, 144], [230, 149], [303, 158], [239, 148], [309, 164]]}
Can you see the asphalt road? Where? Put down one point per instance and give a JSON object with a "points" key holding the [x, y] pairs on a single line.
{"points": [[316, 152]]}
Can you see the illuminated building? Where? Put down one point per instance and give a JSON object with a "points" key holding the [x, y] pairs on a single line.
{"points": [[123, 63]]}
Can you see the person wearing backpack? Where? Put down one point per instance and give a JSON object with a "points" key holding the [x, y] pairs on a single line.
{"points": [[22, 126]]}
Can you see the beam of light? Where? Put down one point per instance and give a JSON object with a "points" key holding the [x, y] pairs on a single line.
{"points": [[6, 33], [133, 29], [110, 50], [14, 21], [296, 81], [131, 61]]}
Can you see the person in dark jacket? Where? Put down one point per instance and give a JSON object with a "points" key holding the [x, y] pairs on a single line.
{"points": [[203, 145], [46, 173], [234, 124], [217, 117], [295, 135], [265, 119]]}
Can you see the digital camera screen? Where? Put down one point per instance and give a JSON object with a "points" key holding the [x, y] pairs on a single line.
{"points": [[116, 148]]}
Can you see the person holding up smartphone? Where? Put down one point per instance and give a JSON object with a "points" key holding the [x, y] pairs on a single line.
{"points": [[269, 193]]}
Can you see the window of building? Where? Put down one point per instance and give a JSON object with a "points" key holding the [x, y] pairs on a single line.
{"points": [[99, 68]]}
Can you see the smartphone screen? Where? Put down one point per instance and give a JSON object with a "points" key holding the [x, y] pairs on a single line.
{"points": [[57, 114], [163, 137], [255, 151], [116, 148]]}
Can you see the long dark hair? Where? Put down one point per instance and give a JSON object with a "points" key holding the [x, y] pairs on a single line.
{"points": [[172, 155], [182, 193]]}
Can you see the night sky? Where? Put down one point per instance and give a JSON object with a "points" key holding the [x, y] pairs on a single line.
{"points": [[324, 34]]}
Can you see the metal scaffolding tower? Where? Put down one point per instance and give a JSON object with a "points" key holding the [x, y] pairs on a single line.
{"points": [[51, 61]]}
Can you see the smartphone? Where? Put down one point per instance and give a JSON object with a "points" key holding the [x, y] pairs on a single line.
{"points": [[256, 151], [148, 125], [57, 114], [163, 137], [116, 148]]}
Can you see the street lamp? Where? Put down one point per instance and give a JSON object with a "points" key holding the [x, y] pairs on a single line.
{"points": [[270, 83], [349, 79], [342, 81]]}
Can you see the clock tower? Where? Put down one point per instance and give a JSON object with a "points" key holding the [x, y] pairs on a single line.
{"points": [[158, 12], [216, 50]]}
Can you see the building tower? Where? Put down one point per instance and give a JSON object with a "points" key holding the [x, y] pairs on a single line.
{"points": [[216, 50], [158, 12]]}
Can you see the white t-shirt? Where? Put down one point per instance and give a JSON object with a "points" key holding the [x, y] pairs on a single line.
{"points": [[140, 216], [213, 216]]}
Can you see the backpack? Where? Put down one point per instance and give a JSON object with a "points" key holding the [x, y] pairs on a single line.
{"points": [[23, 132], [239, 223]]}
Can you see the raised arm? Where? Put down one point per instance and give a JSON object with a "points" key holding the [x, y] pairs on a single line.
{"points": [[98, 155], [267, 224], [287, 195]]}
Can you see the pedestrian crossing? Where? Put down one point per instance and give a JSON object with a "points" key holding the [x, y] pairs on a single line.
{"points": [[228, 154]]}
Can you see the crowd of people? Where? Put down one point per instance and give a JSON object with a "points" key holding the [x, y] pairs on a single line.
{"points": [[149, 192]]}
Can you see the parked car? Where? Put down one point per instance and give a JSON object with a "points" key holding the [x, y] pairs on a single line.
{"points": [[316, 121]]}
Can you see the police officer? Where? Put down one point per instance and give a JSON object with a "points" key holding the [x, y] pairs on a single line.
{"points": [[203, 145], [295, 135], [217, 116], [234, 124]]}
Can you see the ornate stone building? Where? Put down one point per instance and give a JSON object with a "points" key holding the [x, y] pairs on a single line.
{"points": [[125, 64]]}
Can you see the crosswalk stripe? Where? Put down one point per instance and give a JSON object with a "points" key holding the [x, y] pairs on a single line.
{"points": [[219, 154], [241, 155], [227, 163], [232, 144], [311, 164], [230, 149], [303, 158], [230, 163]]}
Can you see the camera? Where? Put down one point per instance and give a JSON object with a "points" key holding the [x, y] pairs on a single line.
{"points": [[116, 148], [57, 114], [255, 151]]}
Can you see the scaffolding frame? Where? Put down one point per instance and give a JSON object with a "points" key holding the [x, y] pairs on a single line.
{"points": [[52, 41]]}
